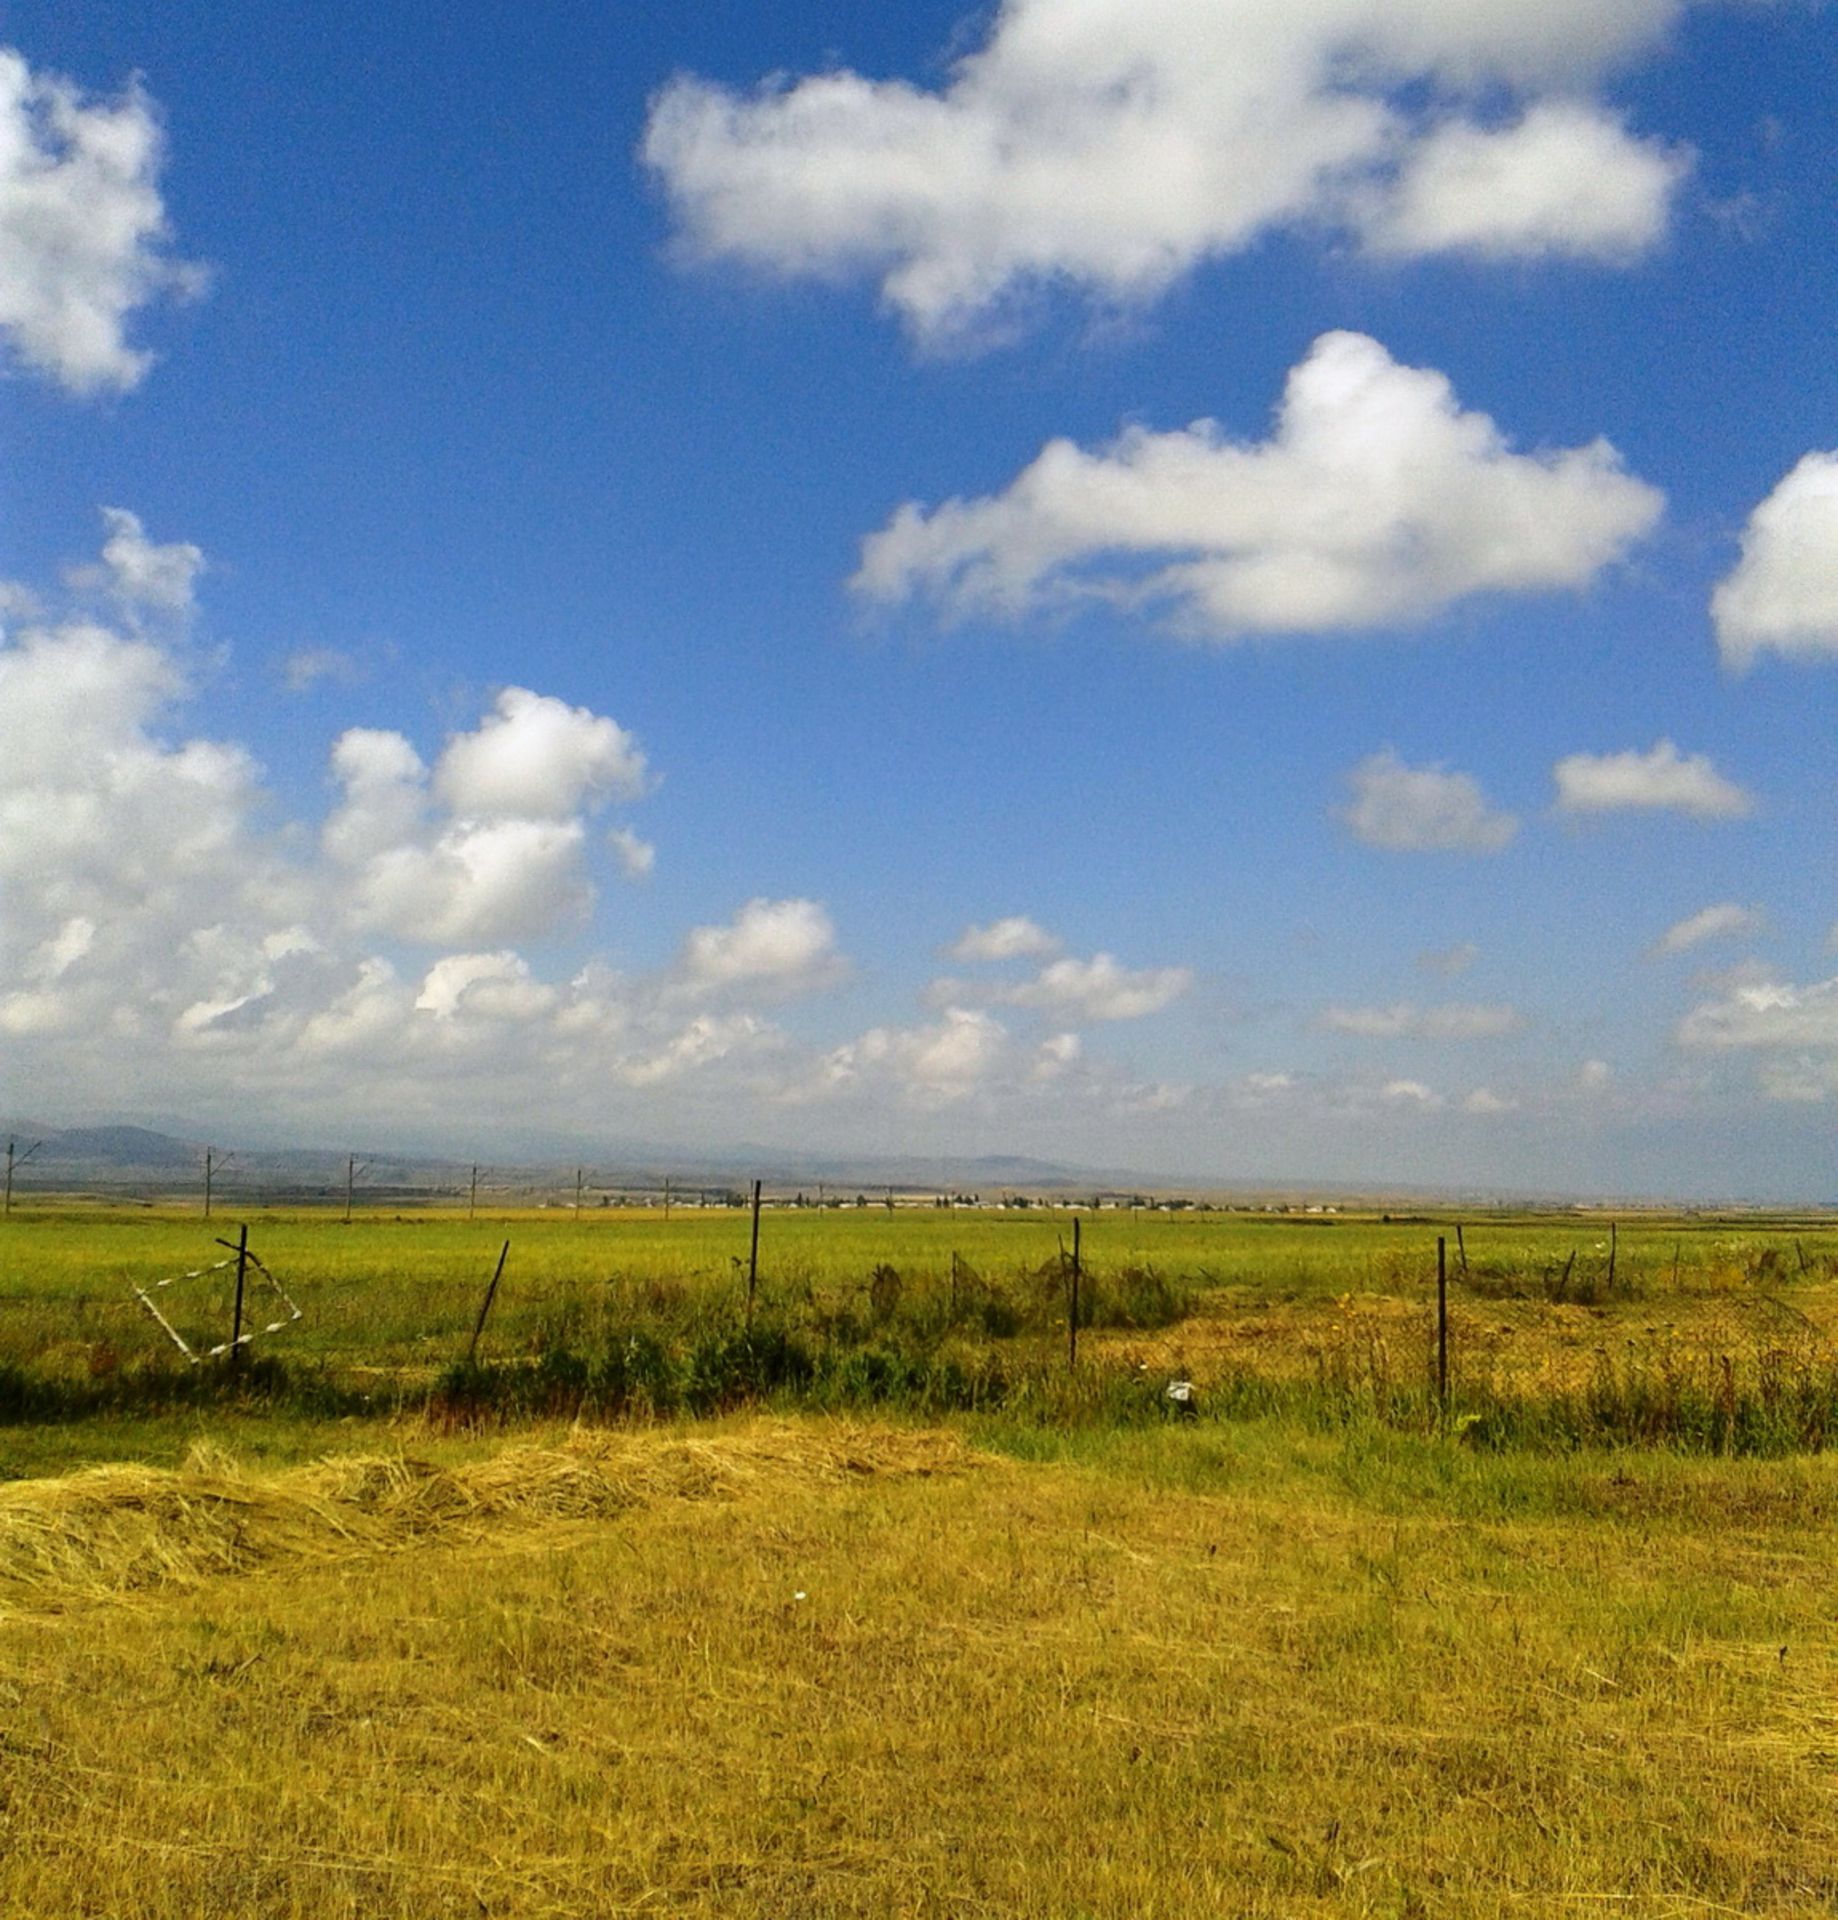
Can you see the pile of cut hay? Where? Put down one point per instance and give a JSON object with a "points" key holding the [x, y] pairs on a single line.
{"points": [[110, 1531]]}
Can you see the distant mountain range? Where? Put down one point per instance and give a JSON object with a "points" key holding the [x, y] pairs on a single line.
{"points": [[126, 1157], [118, 1156]]}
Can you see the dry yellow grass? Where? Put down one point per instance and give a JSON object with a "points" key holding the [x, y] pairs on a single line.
{"points": [[114, 1530], [785, 1669]]}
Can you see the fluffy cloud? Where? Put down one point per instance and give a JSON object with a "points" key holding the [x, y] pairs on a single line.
{"points": [[1058, 1054], [1404, 809], [1790, 1031], [493, 844], [152, 909], [1454, 1021], [1660, 780], [536, 758], [779, 946], [933, 1065], [1724, 921], [142, 574], [308, 667], [1115, 144], [114, 925], [637, 858], [1376, 501], [1768, 1015], [1409, 1093], [1783, 594], [492, 986], [82, 229], [1564, 179], [1015, 938], [1100, 989]]}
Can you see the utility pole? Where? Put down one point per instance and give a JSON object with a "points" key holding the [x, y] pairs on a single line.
{"points": [[577, 1191], [472, 1202], [666, 1199], [214, 1164], [11, 1162]]}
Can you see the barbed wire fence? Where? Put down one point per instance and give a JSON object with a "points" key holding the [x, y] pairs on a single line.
{"points": [[1479, 1327]]}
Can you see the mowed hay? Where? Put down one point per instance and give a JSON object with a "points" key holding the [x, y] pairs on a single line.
{"points": [[1172, 1672], [111, 1531]]}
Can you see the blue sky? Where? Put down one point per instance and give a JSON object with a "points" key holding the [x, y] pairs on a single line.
{"points": [[525, 427]]}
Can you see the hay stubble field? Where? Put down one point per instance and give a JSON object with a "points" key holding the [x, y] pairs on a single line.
{"points": [[1053, 1655]]}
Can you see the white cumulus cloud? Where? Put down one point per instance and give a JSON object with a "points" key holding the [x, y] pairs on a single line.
{"points": [[1112, 145], [1566, 178], [1376, 501], [308, 667], [782, 946], [144, 574], [1766, 1014], [1405, 809], [535, 757], [938, 1064], [493, 844], [1790, 1031], [165, 939], [1782, 596], [1013, 938], [637, 858], [83, 232], [1724, 921], [1100, 989], [1660, 780], [1456, 1020]]}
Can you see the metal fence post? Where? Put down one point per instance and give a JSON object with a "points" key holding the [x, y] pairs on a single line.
{"points": [[1442, 1323], [242, 1271], [753, 1259], [1072, 1301]]}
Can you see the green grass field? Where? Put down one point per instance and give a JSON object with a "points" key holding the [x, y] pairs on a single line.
{"points": [[1726, 1329]]}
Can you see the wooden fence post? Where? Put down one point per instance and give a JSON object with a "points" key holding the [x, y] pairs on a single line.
{"points": [[491, 1292]]}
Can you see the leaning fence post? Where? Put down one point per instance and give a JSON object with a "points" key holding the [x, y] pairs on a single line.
{"points": [[236, 1318], [491, 1293], [753, 1259], [1072, 1301], [1442, 1323]]}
